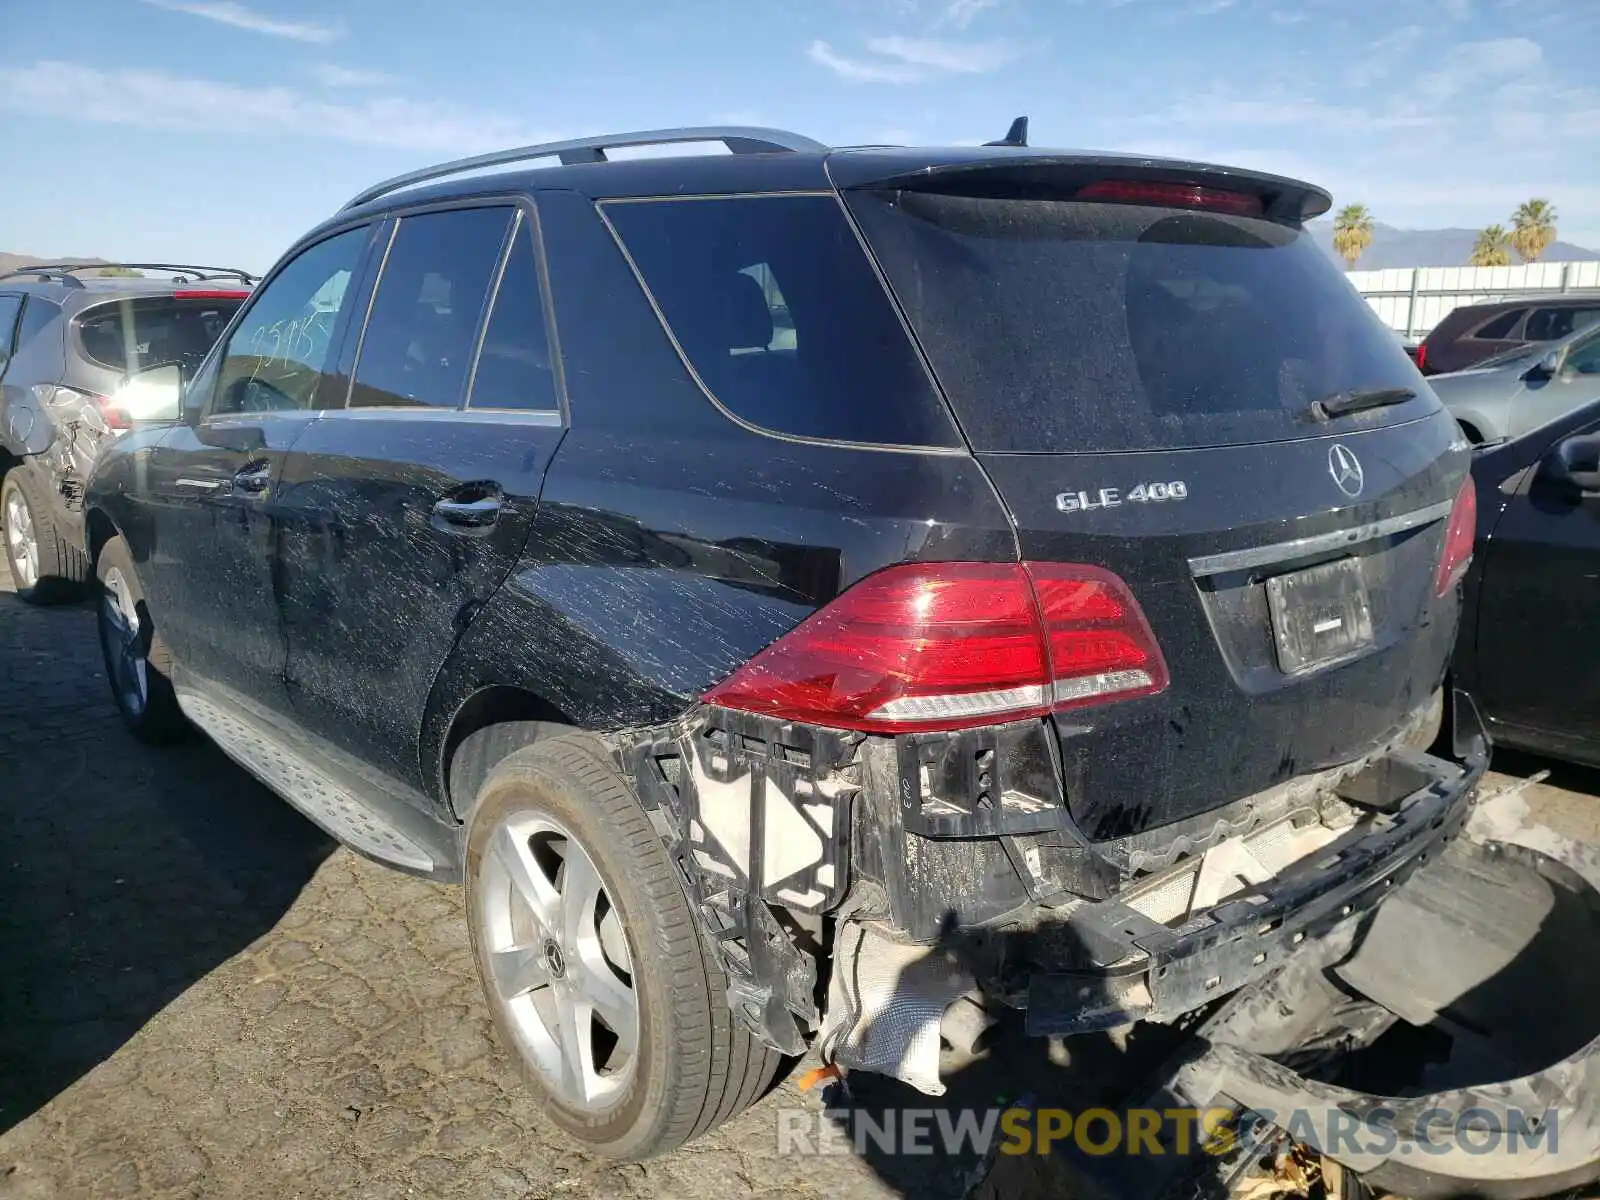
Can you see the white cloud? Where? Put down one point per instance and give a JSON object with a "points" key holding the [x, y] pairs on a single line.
{"points": [[160, 100], [1381, 55], [1471, 64], [961, 13], [861, 70], [335, 76], [227, 12], [911, 60], [952, 57]]}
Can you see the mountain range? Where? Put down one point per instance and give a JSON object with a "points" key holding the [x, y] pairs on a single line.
{"points": [[1393, 247]]}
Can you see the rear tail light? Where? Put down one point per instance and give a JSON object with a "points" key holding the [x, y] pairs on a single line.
{"points": [[1458, 539], [1171, 195], [111, 412], [950, 645], [1422, 356]]}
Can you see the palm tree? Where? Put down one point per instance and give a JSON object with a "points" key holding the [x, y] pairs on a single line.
{"points": [[1533, 228], [1352, 233], [1492, 249]]}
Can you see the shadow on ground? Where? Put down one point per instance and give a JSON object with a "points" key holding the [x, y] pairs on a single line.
{"points": [[127, 872]]}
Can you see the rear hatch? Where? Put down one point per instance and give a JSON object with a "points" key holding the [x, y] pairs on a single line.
{"points": [[1137, 364]]}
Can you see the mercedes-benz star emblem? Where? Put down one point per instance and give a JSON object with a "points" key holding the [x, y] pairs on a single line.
{"points": [[1345, 468]]}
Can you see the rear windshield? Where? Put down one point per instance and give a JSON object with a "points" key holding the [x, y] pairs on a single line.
{"points": [[1060, 326], [149, 331]]}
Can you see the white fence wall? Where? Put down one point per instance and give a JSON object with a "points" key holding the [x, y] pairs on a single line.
{"points": [[1415, 299]]}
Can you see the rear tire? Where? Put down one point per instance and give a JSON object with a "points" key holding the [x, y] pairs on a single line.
{"points": [[691, 1066], [138, 665], [44, 568]]}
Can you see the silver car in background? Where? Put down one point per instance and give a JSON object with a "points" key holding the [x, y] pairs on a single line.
{"points": [[1523, 388]]}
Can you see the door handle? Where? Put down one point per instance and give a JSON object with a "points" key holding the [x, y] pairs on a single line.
{"points": [[253, 478], [468, 514], [203, 485]]}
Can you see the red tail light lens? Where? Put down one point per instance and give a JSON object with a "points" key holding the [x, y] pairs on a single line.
{"points": [[949, 645], [1458, 539], [1422, 355], [1172, 195]]}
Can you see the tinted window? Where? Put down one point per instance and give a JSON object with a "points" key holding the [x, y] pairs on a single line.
{"points": [[134, 334], [1067, 326], [424, 317], [1584, 358], [1501, 326], [514, 364], [10, 306], [781, 316], [275, 358], [1547, 324]]}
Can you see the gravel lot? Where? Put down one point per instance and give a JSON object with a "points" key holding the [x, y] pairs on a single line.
{"points": [[200, 996]]}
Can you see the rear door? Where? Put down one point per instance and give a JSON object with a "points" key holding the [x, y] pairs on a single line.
{"points": [[406, 508], [1536, 635], [1140, 381], [210, 536]]}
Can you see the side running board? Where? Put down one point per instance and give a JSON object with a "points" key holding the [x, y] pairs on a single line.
{"points": [[302, 784]]}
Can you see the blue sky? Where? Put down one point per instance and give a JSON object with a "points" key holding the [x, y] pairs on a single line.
{"points": [[221, 129]]}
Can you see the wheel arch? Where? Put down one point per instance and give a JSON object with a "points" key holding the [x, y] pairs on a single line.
{"points": [[492, 722], [98, 529]]}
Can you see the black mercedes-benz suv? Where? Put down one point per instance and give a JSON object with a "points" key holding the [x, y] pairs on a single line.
{"points": [[794, 588]]}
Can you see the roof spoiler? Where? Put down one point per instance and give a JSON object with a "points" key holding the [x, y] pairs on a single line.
{"points": [[1060, 175]]}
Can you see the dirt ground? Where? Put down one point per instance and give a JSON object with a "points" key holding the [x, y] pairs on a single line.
{"points": [[201, 996]]}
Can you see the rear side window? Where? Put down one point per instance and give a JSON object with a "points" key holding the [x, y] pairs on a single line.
{"points": [[136, 333], [1499, 327], [1063, 326], [1547, 324], [37, 314], [10, 306], [777, 308], [514, 368], [424, 319]]}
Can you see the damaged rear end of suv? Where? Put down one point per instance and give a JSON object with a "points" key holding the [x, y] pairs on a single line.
{"points": [[1135, 764]]}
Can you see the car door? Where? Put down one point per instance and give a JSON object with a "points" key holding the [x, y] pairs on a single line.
{"points": [[1545, 395], [212, 481], [1538, 594], [407, 508]]}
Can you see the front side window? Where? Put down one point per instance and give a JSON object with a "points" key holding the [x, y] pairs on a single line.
{"points": [[775, 305], [275, 358], [1584, 358], [514, 369], [424, 319]]}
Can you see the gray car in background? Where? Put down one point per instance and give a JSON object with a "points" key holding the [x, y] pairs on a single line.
{"points": [[1523, 388], [68, 345]]}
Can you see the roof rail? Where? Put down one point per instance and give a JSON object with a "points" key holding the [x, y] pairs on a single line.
{"points": [[739, 139], [67, 272]]}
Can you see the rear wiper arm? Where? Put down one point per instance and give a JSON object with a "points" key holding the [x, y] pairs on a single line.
{"points": [[1340, 403]]}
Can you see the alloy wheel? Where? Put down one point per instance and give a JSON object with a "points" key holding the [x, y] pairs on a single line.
{"points": [[21, 540], [125, 653], [558, 960]]}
